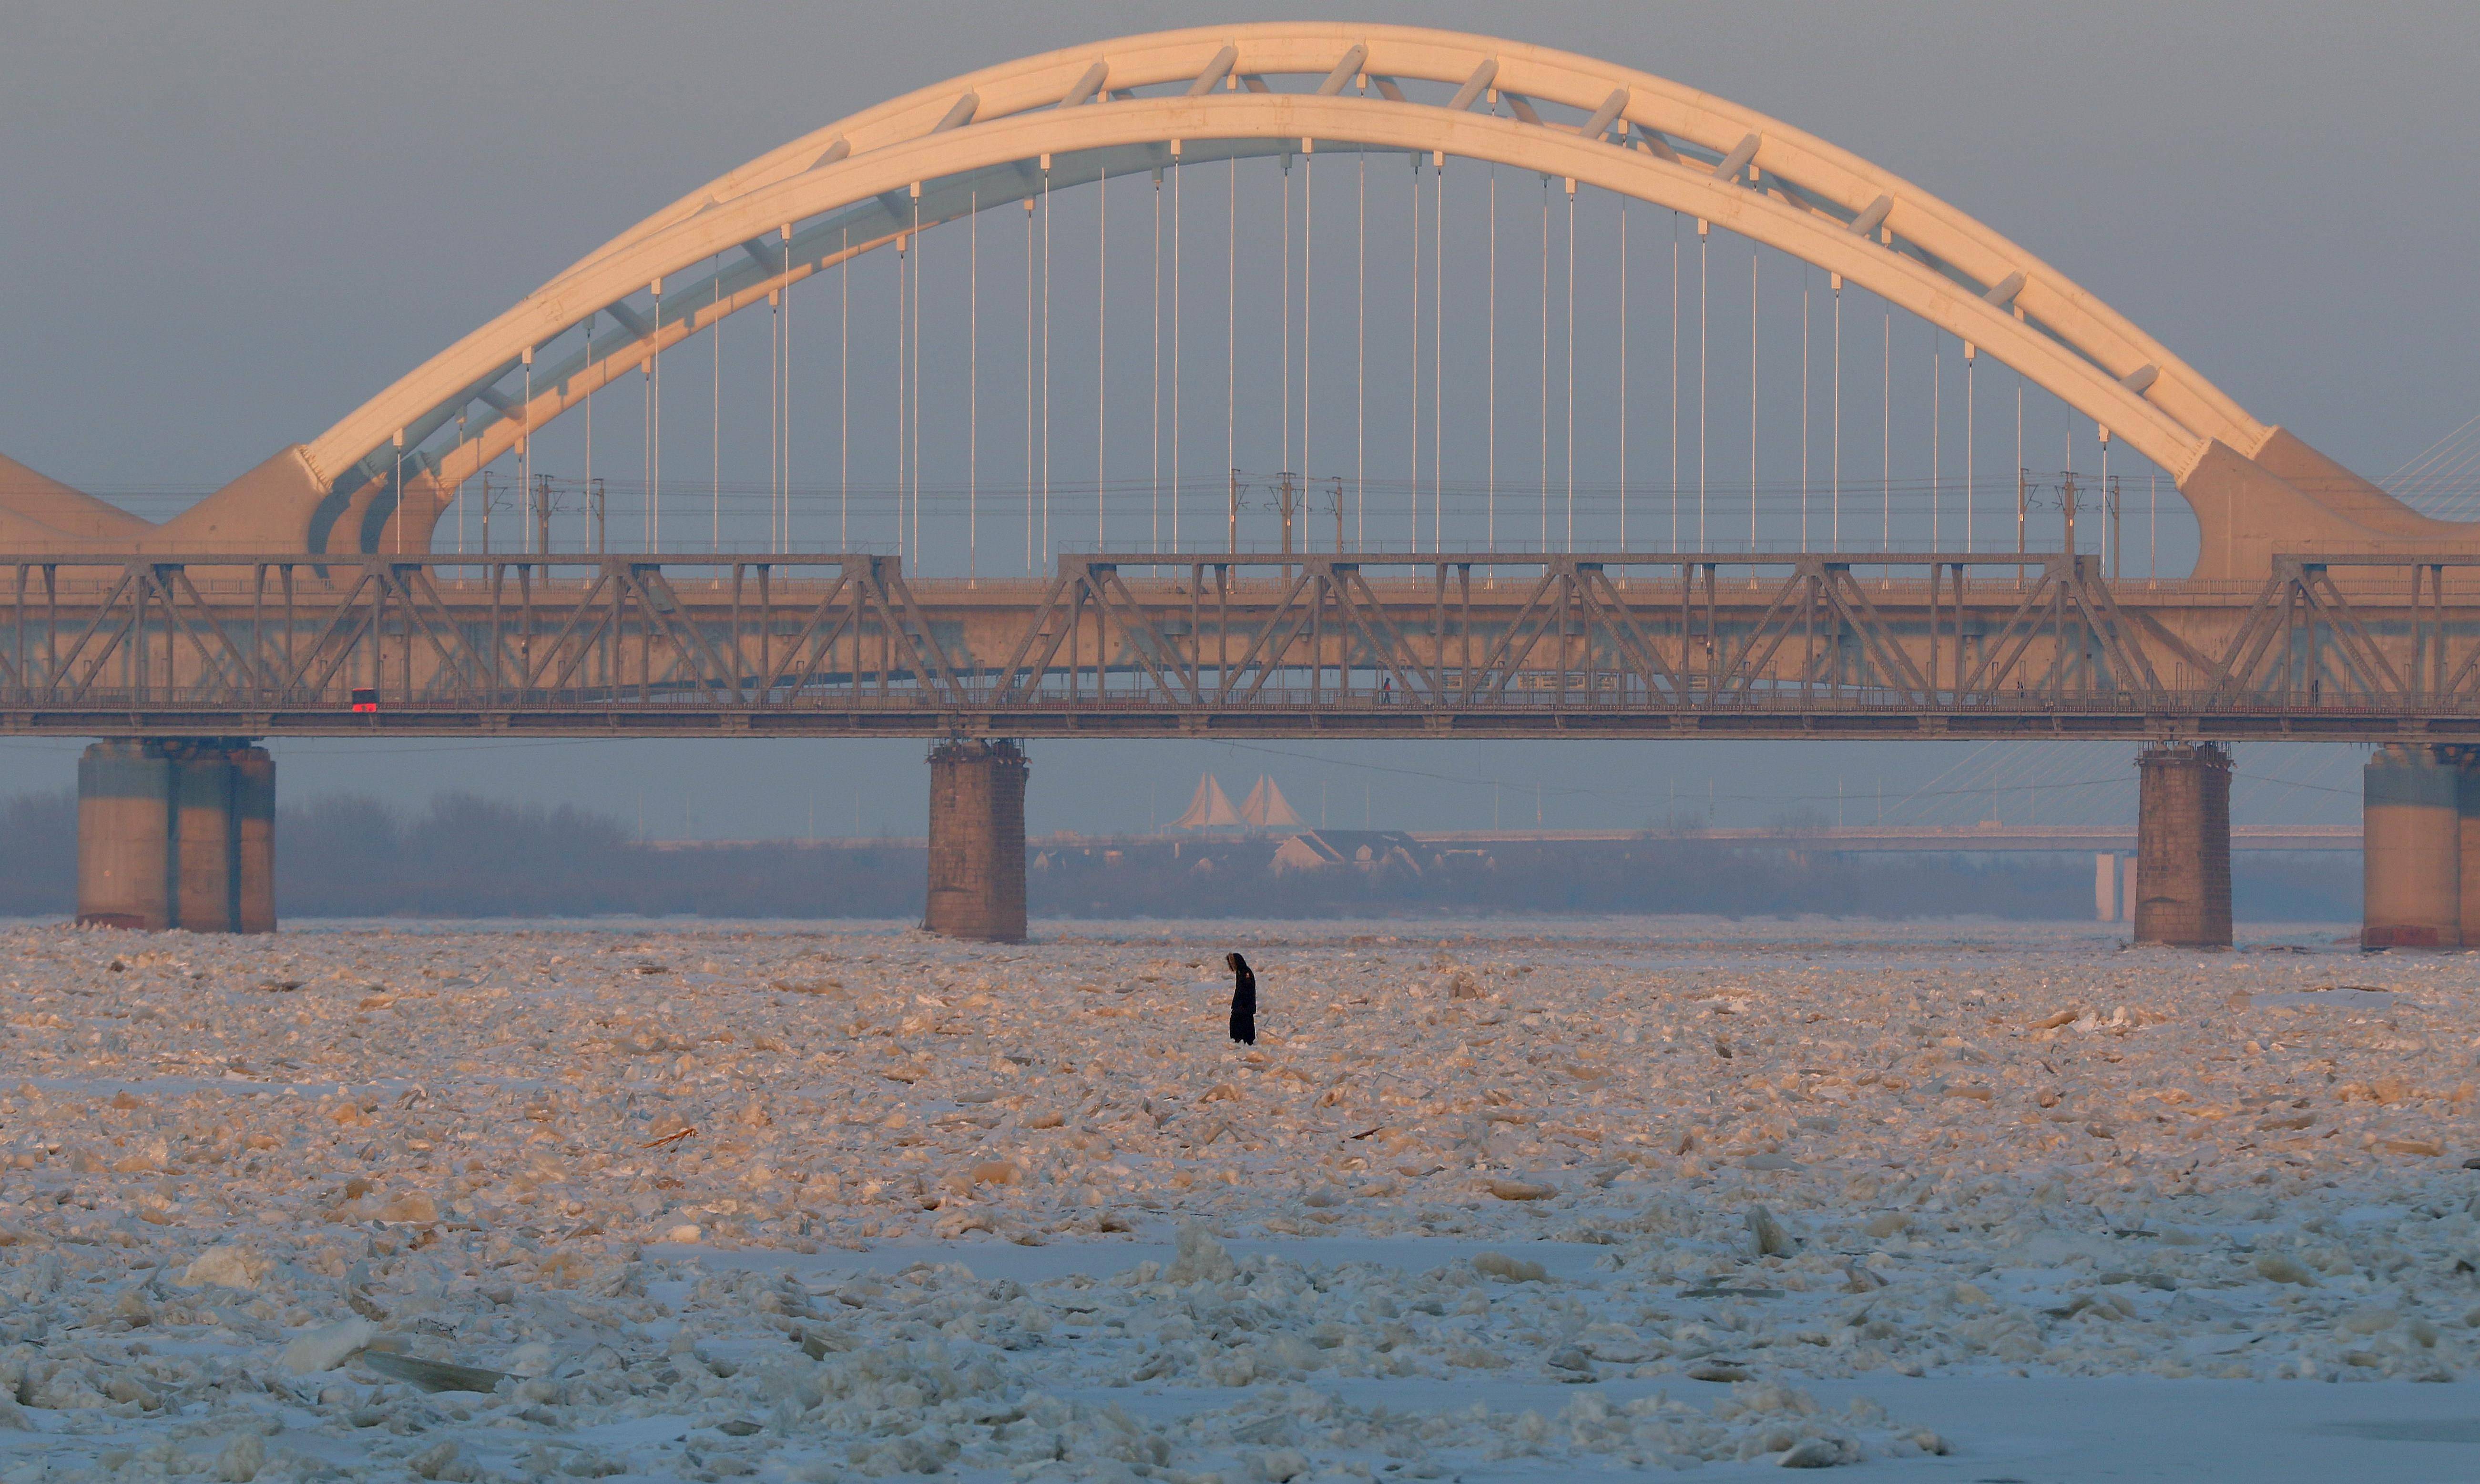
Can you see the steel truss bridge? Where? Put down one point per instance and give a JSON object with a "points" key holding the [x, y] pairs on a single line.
{"points": [[1435, 645]]}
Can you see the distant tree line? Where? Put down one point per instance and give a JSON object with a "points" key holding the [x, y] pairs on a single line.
{"points": [[464, 856]]}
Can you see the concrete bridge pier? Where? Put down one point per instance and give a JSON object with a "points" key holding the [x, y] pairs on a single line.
{"points": [[976, 841], [2182, 845], [177, 832], [2412, 802]]}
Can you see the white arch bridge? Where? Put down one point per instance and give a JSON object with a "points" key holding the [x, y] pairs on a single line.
{"points": [[382, 479]]}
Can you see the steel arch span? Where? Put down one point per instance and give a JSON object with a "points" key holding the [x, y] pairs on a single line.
{"points": [[996, 137]]}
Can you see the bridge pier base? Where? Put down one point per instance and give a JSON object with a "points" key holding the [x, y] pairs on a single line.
{"points": [[976, 841], [2182, 845], [2412, 851], [177, 832]]}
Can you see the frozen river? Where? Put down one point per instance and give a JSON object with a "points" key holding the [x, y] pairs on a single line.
{"points": [[1507, 1200]]}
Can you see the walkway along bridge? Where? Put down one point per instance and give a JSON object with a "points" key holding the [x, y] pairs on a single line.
{"points": [[310, 596]]}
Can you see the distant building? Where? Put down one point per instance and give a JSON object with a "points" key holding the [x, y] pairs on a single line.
{"points": [[1375, 850]]}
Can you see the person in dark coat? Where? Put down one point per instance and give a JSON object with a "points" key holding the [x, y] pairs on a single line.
{"points": [[1244, 1001]]}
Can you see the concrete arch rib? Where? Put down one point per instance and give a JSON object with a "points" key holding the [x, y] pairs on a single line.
{"points": [[2254, 486]]}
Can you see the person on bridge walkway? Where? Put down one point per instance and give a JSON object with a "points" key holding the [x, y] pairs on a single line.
{"points": [[1244, 1001]]}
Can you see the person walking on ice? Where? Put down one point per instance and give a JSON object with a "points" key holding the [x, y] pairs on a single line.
{"points": [[1244, 1001]]}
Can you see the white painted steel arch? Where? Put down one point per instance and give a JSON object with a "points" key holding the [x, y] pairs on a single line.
{"points": [[1122, 104]]}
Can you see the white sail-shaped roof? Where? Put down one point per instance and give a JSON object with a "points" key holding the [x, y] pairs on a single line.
{"points": [[1209, 808], [1267, 808]]}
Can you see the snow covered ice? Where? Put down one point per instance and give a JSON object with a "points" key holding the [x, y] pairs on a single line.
{"points": [[1523, 1201]]}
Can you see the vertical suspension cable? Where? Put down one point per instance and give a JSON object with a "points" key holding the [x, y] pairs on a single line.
{"points": [[2152, 531], [774, 412], [844, 392], [1834, 537], [1232, 336], [973, 386], [1937, 434], [1179, 187], [1283, 350], [1623, 370], [1490, 423], [1704, 305], [646, 414], [1153, 418], [715, 472], [911, 430], [1754, 257], [1674, 381], [1308, 236], [1360, 349], [2019, 470], [1806, 284], [1970, 481], [525, 455], [1570, 438], [1545, 363], [787, 386], [1101, 343], [1046, 356], [1886, 429], [589, 429], [1415, 364], [903, 387], [460, 442], [1437, 346], [1028, 384]]}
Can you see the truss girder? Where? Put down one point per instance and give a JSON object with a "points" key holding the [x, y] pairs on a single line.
{"points": [[1469, 639]]}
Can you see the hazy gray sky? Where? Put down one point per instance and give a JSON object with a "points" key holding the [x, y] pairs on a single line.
{"points": [[229, 224]]}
